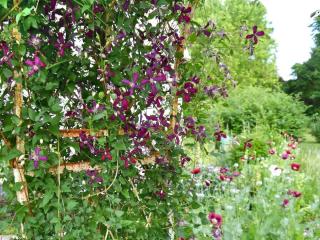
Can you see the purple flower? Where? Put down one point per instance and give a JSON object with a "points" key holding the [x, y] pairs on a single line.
{"points": [[178, 131], [184, 160], [211, 91], [98, 8], [87, 141], [121, 100], [160, 77], [133, 85], [154, 99], [199, 133], [255, 34], [187, 92], [35, 65], [161, 194], [190, 122], [93, 175], [61, 45], [7, 56], [125, 5], [36, 157]]}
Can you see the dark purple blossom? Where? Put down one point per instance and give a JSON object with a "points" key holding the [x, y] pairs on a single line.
{"points": [[93, 176], [255, 34], [190, 122], [154, 99], [199, 133], [188, 91], [125, 5], [87, 141], [133, 84], [184, 160], [120, 102], [61, 44], [160, 77], [98, 8], [35, 65], [211, 91], [36, 157], [161, 194], [7, 56]]}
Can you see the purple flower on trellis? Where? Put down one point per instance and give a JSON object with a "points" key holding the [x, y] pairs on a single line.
{"points": [[87, 141], [178, 131], [7, 56], [94, 107], [255, 34], [154, 99], [36, 157], [187, 92], [61, 44], [125, 5], [133, 85], [70, 12], [93, 176], [211, 91], [160, 77], [121, 99], [35, 65]]}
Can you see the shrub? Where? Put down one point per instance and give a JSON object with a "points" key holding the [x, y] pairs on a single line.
{"points": [[254, 106], [315, 126]]}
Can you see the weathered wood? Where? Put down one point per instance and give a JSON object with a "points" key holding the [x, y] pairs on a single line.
{"points": [[18, 170]]}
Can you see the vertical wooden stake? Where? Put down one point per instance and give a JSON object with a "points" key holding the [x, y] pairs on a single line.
{"points": [[18, 170]]}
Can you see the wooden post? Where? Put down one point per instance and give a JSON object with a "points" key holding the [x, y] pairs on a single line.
{"points": [[18, 170]]}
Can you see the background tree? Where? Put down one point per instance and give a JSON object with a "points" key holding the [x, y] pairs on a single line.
{"points": [[307, 82]]}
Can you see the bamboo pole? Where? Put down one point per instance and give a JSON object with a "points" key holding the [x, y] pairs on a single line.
{"points": [[18, 170]]}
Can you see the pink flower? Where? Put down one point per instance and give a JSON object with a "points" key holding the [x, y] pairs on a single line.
{"points": [[295, 194], [196, 171], [215, 219], [295, 166], [35, 65], [284, 155], [272, 151], [285, 202]]}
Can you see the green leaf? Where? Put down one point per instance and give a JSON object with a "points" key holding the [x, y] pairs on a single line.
{"points": [[25, 12], [71, 204], [4, 3], [118, 213], [13, 153], [47, 197]]}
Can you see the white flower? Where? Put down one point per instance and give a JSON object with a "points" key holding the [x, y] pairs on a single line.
{"points": [[275, 171]]}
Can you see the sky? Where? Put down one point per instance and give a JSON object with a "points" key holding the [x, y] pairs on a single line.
{"points": [[291, 20]]}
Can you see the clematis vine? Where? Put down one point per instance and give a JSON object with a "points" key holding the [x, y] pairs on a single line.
{"points": [[35, 65], [61, 44], [36, 157], [7, 56]]}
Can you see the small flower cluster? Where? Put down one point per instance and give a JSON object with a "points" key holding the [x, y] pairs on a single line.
{"points": [[216, 221]]}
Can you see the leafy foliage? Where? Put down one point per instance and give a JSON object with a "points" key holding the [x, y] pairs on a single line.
{"points": [[253, 106], [307, 82]]}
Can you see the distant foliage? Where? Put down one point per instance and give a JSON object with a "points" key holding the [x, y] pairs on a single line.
{"points": [[257, 106], [307, 82]]}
